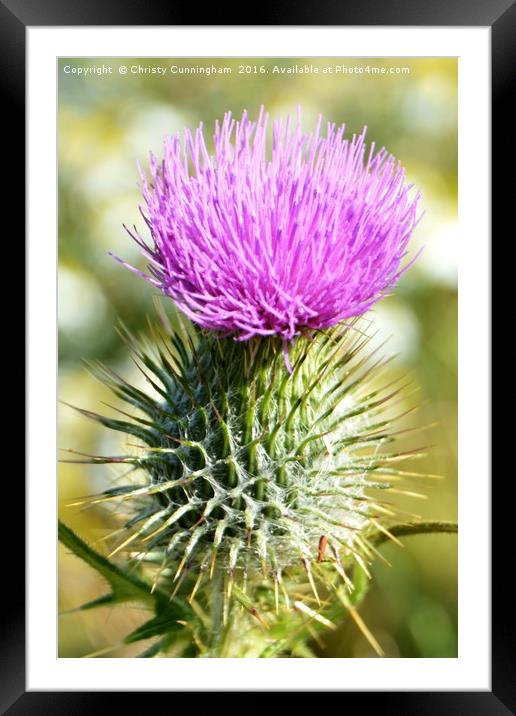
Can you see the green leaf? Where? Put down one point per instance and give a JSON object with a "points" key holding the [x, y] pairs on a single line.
{"points": [[171, 615], [161, 624], [126, 587], [106, 599]]}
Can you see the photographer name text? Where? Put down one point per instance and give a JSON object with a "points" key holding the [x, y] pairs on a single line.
{"points": [[242, 69]]}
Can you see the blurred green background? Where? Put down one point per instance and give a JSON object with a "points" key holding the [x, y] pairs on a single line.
{"points": [[109, 122]]}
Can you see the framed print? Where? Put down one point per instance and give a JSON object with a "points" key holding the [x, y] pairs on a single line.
{"points": [[258, 270]]}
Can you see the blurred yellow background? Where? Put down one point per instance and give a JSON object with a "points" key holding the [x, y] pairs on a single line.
{"points": [[109, 122]]}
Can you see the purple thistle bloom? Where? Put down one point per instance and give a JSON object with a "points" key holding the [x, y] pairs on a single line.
{"points": [[249, 244]]}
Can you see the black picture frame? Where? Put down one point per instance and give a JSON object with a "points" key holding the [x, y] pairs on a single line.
{"points": [[500, 16]]}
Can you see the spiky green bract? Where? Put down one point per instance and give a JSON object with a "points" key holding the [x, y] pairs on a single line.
{"points": [[244, 466]]}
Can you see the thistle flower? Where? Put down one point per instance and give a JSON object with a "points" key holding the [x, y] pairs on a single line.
{"points": [[246, 470], [248, 244]]}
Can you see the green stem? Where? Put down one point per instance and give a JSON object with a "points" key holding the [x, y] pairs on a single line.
{"points": [[402, 529], [406, 529]]}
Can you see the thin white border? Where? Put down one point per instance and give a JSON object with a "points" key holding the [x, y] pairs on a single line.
{"points": [[471, 670]]}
